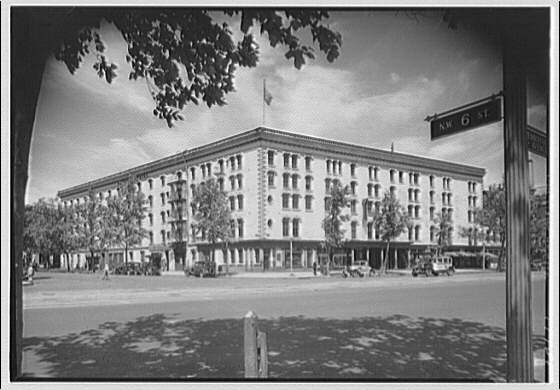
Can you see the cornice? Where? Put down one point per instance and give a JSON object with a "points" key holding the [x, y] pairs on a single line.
{"points": [[267, 137]]}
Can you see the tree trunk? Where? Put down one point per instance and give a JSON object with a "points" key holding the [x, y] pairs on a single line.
{"points": [[27, 65], [483, 255], [225, 258], [386, 259], [501, 260]]}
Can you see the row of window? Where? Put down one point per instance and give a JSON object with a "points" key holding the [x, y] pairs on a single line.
{"points": [[234, 162], [472, 201], [295, 222], [472, 186], [295, 201], [287, 179], [290, 160], [232, 201]]}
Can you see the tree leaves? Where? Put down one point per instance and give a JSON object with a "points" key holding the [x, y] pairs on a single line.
{"points": [[161, 41], [211, 212]]}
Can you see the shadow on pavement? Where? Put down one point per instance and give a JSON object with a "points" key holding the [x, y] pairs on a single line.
{"points": [[159, 346]]}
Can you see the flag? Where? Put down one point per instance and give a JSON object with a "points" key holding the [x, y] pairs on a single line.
{"points": [[267, 96], [392, 147]]}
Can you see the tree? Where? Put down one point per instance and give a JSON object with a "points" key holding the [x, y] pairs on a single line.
{"points": [[67, 218], [538, 226], [390, 220], [125, 214], [163, 44], [492, 216], [91, 227], [477, 233], [443, 230], [211, 214], [337, 199]]}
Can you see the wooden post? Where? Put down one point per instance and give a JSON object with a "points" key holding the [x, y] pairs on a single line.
{"points": [[262, 348], [518, 273], [250, 345]]}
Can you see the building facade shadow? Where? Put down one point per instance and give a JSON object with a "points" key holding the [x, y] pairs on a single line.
{"points": [[166, 347]]}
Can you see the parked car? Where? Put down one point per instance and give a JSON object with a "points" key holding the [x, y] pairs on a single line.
{"points": [[202, 268], [360, 268], [434, 265]]}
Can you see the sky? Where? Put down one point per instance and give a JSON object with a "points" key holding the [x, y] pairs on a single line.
{"points": [[394, 70]]}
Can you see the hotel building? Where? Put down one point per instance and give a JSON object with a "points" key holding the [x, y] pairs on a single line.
{"points": [[277, 186]]}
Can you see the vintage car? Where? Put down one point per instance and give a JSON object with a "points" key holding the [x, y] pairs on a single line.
{"points": [[434, 265], [202, 269], [360, 268]]}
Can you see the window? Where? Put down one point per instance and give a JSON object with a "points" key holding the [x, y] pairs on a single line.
{"points": [[432, 211], [431, 181], [294, 161], [162, 180], [151, 238], [240, 202], [162, 198], [239, 182], [353, 206], [470, 216], [271, 158], [151, 219], [353, 186], [327, 203], [474, 201], [443, 199], [416, 212], [393, 190], [285, 227], [376, 234], [269, 199], [392, 175], [150, 200], [240, 228], [308, 183], [151, 184], [295, 227], [410, 178], [353, 227], [285, 201], [232, 162], [410, 233], [416, 179], [232, 227], [193, 173], [370, 173], [162, 217], [286, 160], [308, 163], [410, 195], [375, 173], [271, 179], [239, 161], [377, 187], [432, 196], [449, 199], [308, 200], [327, 185], [232, 203], [416, 232], [353, 170], [410, 209], [370, 189], [294, 182], [232, 182], [221, 183], [370, 230], [329, 167], [401, 177], [286, 180], [432, 234], [269, 223], [295, 202]]}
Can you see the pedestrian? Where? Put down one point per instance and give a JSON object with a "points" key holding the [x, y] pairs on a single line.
{"points": [[106, 272], [314, 268], [30, 272]]}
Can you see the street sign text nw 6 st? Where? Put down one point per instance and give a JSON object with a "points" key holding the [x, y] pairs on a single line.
{"points": [[469, 118]]}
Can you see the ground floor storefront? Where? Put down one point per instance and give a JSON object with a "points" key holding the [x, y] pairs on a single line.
{"points": [[280, 255]]}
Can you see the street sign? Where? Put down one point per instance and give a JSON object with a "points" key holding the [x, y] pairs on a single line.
{"points": [[537, 141], [469, 118]]}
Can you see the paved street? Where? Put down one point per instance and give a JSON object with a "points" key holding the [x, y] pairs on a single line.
{"points": [[394, 327]]}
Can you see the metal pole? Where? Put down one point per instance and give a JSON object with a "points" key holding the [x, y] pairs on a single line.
{"points": [[291, 257], [518, 273], [264, 91]]}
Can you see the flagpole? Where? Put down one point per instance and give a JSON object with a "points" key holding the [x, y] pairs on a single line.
{"points": [[263, 98]]}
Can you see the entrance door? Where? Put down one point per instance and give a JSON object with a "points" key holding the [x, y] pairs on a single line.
{"points": [[266, 260]]}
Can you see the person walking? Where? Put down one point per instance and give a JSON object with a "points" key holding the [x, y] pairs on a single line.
{"points": [[106, 272], [314, 268]]}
